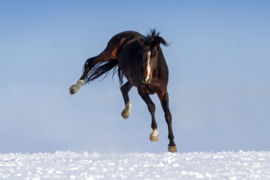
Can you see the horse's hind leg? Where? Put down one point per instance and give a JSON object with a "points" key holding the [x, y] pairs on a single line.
{"points": [[151, 107], [164, 99], [75, 88], [125, 89], [107, 54]]}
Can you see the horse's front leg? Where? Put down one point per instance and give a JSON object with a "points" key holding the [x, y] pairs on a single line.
{"points": [[106, 55], [125, 89], [151, 107], [164, 99]]}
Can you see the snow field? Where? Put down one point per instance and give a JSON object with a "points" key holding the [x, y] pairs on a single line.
{"points": [[70, 165]]}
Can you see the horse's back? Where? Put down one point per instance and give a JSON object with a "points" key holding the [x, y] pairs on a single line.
{"points": [[122, 38], [127, 33], [116, 43]]}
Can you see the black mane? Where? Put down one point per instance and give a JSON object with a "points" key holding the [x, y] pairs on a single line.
{"points": [[152, 38]]}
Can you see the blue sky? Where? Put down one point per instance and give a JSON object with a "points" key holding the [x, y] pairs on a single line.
{"points": [[219, 76]]}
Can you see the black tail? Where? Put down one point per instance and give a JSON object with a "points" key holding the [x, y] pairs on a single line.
{"points": [[104, 68]]}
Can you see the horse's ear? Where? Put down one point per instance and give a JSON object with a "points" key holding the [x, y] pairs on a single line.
{"points": [[157, 42], [141, 42]]}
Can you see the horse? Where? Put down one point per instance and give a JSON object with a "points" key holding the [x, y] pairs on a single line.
{"points": [[140, 59]]}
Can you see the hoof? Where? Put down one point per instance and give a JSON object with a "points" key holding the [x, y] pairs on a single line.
{"points": [[172, 149], [125, 114], [72, 90], [154, 138]]}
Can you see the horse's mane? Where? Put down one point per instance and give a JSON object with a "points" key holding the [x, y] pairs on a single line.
{"points": [[151, 38]]}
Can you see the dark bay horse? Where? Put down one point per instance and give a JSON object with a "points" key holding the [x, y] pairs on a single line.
{"points": [[140, 59]]}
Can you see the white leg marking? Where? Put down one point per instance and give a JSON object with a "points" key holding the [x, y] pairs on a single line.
{"points": [[128, 105], [148, 66], [154, 132], [126, 111], [78, 85]]}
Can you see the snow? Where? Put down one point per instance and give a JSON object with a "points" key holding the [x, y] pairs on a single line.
{"points": [[196, 165]]}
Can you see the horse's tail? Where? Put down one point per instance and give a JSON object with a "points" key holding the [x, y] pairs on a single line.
{"points": [[104, 69]]}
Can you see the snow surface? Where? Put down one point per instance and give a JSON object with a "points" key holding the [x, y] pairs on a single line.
{"points": [[70, 165]]}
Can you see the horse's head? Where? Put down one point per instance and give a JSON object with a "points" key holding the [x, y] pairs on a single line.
{"points": [[150, 55]]}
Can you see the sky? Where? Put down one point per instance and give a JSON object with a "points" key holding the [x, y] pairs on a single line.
{"points": [[219, 83]]}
